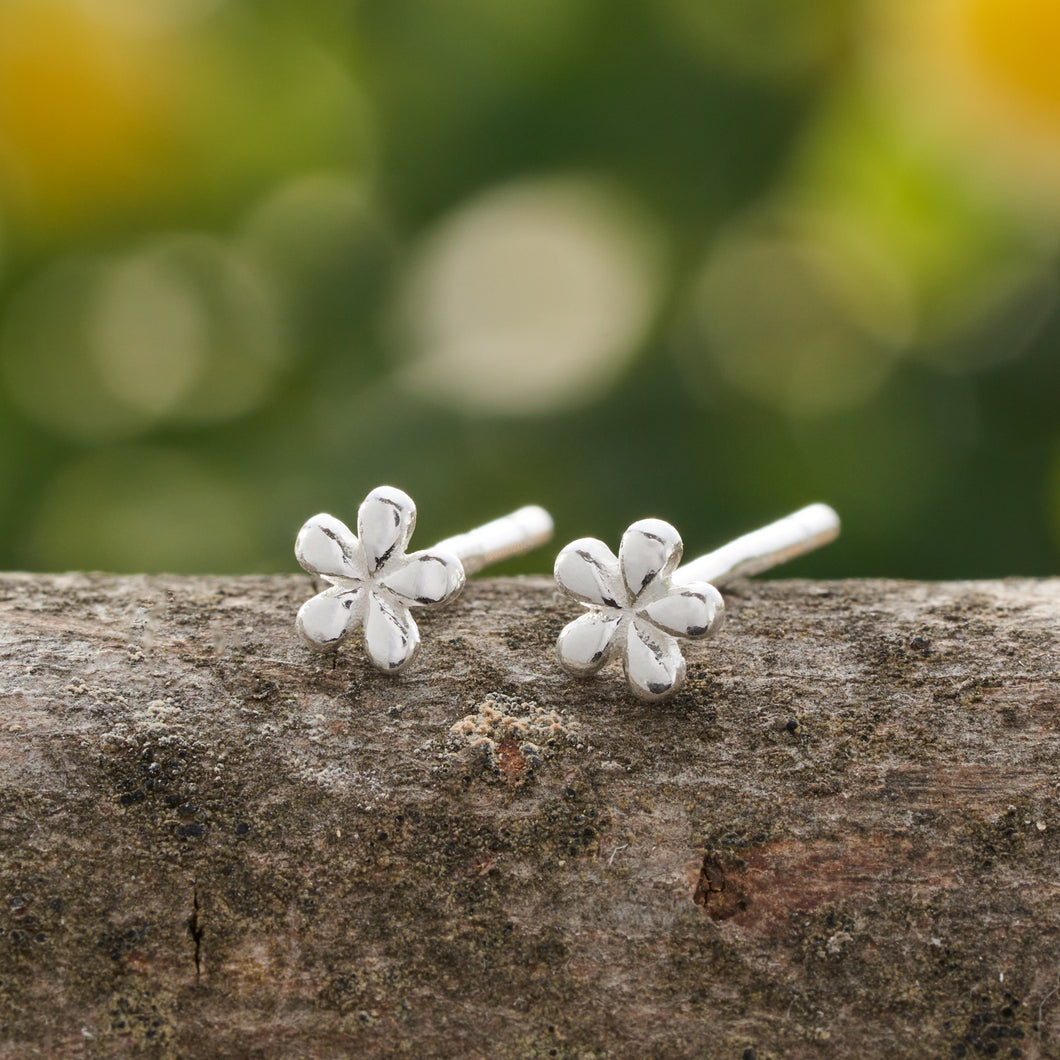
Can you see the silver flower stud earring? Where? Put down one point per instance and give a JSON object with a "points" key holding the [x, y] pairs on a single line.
{"points": [[375, 580], [640, 602]]}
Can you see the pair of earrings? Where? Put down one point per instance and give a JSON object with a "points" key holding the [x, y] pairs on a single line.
{"points": [[638, 603]]}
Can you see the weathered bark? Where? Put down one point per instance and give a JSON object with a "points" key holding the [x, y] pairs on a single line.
{"points": [[841, 840]]}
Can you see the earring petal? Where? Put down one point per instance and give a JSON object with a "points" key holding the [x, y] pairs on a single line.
{"points": [[428, 577], [693, 610], [385, 522], [324, 620], [588, 571], [326, 545], [587, 643], [650, 552], [653, 662], [390, 635]]}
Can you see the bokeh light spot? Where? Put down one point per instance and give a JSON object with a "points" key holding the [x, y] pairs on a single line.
{"points": [[533, 297], [148, 335], [185, 331], [868, 186], [772, 38], [314, 216], [132, 509], [325, 249], [149, 17], [791, 324], [229, 300], [46, 363]]}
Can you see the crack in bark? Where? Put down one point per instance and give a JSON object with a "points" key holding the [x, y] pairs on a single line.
{"points": [[195, 929], [717, 890]]}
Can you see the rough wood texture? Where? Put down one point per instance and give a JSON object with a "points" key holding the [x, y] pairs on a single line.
{"points": [[841, 840]]}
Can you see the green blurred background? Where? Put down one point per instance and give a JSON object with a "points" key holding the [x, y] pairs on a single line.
{"points": [[703, 260]]}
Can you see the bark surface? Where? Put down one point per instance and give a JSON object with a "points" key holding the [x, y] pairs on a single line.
{"points": [[842, 839]]}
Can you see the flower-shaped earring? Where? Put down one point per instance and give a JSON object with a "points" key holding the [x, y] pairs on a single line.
{"points": [[374, 580], [640, 602]]}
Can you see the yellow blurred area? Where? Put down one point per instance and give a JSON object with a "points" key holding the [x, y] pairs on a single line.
{"points": [[1015, 43], [983, 75], [88, 111]]}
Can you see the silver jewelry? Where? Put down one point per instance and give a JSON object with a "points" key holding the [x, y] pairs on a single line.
{"points": [[374, 581], [640, 602]]}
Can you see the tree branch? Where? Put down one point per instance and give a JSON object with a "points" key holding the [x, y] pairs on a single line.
{"points": [[841, 839]]}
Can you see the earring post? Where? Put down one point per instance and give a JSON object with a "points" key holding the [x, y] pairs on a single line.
{"points": [[767, 547], [510, 535]]}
